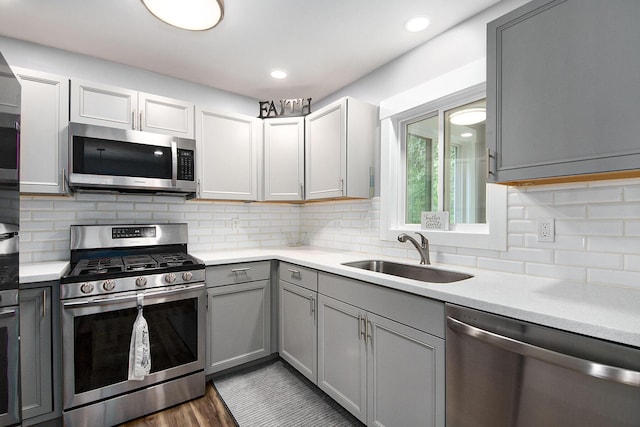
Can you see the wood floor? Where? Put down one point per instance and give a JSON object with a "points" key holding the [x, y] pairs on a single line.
{"points": [[208, 410]]}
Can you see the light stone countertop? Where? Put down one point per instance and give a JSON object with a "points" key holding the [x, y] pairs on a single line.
{"points": [[607, 312]]}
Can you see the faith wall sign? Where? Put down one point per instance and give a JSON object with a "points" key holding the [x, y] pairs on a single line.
{"points": [[293, 107]]}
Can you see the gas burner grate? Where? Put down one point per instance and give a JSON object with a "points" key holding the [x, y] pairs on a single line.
{"points": [[139, 262], [97, 266], [173, 259]]}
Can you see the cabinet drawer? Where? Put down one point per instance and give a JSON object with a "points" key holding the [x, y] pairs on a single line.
{"points": [[229, 274], [301, 276], [412, 310]]}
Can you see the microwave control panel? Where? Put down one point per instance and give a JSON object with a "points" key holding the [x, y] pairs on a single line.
{"points": [[186, 168]]}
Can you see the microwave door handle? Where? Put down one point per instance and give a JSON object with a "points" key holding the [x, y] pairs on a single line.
{"points": [[174, 163]]}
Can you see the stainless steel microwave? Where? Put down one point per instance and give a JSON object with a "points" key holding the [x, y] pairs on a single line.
{"points": [[130, 161]]}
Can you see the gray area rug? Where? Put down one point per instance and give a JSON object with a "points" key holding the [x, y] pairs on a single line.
{"points": [[277, 395]]}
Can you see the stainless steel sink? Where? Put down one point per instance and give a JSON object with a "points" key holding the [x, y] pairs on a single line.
{"points": [[408, 271]]}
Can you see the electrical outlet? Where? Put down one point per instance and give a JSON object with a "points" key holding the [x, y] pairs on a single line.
{"points": [[235, 224], [546, 230]]}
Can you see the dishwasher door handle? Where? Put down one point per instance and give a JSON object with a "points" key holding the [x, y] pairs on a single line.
{"points": [[586, 367]]}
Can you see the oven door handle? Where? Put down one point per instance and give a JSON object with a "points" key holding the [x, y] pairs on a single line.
{"points": [[7, 313], [98, 301]]}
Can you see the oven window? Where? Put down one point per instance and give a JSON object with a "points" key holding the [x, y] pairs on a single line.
{"points": [[101, 342], [4, 371], [104, 157]]}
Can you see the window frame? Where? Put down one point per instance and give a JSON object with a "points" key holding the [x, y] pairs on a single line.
{"points": [[491, 235]]}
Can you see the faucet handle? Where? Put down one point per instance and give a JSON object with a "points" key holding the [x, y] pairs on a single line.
{"points": [[424, 240]]}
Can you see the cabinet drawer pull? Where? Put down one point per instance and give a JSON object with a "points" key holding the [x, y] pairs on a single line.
{"points": [[313, 304], [240, 270], [359, 326], [133, 120], [140, 125], [294, 272]]}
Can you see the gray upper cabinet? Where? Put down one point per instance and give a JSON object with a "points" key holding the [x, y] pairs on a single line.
{"points": [[563, 90], [339, 144], [43, 135], [105, 105]]}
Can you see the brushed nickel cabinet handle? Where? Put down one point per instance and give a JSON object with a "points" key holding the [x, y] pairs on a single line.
{"points": [[44, 303]]}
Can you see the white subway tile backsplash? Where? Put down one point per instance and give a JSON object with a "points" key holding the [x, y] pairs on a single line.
{"points": [[597, 228], [589, 259], [574, 274], [589, 195]]}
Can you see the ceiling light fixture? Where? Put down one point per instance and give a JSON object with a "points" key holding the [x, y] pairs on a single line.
{"points": [[416, 24], [279, 74], [468, 116], [195, 15]]}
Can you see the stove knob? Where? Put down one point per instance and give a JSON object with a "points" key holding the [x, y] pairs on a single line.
{"points": [[108, 285], [141, 282], [86, 288], [187, 275], [170, 278]]}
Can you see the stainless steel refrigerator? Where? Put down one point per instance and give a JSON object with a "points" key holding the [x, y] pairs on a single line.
{"points": [[9, 253]]}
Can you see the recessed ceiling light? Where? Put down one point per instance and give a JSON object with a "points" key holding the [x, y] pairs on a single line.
{"points": [[468, 116], [466, 134], [416, 24], [278, 74], [196, 15]]}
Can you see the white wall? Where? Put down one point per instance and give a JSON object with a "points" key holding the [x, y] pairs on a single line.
{"points": [[29, 55], [459, 46]]}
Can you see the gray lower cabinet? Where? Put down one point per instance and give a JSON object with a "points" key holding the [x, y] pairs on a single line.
{"points": [[297, 318], [238, 315], [36, 352], [298, 334], [562, 90], [382, 371]]}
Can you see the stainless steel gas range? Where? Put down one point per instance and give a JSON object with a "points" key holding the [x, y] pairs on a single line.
{"points": [[118, 272]]}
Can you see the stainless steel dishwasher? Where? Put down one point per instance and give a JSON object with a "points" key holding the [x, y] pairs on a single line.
{"points": [[504, 372]]}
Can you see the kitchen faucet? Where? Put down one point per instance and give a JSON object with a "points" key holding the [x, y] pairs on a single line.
{"points": [[423, 248]]}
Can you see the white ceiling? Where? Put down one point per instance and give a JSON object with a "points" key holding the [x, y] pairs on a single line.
{"points": [[323, 44]]}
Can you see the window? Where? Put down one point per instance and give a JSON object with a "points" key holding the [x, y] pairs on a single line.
{"points": [[434, 158]]}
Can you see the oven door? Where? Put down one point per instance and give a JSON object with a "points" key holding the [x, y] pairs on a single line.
{"points": [[96, 335], [9, 366]]}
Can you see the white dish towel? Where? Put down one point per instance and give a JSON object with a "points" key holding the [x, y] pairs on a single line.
{"points": [[139, 349]]}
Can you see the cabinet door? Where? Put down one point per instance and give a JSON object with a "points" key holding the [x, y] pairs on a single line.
{"points": [[43, 136], [284, 159], [298, 333], [238, 324], [562, 89], [406, 375], [103, 105], [342, 358], [165, 115], [228, 156], [36, 352], [325, 151]]}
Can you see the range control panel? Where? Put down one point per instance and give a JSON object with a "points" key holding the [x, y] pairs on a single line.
{"points": [[132, 232]]}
